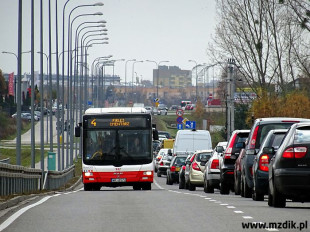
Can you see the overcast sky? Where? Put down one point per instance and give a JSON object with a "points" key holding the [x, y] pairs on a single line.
{"points": [[174, 30]]}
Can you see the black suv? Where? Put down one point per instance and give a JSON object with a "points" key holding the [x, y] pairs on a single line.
{"points": [[228, 158]]}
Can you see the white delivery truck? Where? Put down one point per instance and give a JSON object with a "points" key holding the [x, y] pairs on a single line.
{"points": [[189, 141]]}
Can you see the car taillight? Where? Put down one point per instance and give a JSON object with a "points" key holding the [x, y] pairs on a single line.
{"points": [[297, 152], [228, 151], [253, 139], [215, 164], [172, 169], [195, 166], [263, 163], [161, 163], [183, 167]]}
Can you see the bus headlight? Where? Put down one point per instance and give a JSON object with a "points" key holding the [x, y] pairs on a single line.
{"points": [[89, 174], [148, 173]]}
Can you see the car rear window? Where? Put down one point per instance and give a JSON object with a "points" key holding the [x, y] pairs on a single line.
{"points": [[302, 135], [276, 140], [241, 137], [199, 156], [179, 161], [265, 128]]}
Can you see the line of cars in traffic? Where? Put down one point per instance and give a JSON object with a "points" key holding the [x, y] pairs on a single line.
{"points": [[272, 158]]}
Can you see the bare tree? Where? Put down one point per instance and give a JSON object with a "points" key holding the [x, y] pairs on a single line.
{"points": [[260, 37], [301, 9]]}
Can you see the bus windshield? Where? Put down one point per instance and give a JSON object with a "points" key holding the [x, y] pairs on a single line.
{"points": [[117, 147]]}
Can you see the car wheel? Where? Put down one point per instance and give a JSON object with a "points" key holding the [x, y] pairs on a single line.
{"points": [[237, 186], [207, 188], [270, 200], [224, 189], [191, 187], [158, 173], [278, 200], [168, 180], [181, 183], [247, 190], [241, 188]]}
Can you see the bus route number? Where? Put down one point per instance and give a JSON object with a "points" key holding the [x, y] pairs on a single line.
{"points": [[93, 122]]}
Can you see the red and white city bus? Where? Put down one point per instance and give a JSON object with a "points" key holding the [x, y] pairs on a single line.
{"points": [[117, 148]]}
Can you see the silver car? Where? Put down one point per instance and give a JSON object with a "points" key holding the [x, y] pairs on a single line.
{"points": [[212, 171]]}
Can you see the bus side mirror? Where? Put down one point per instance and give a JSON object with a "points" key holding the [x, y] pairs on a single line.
{"points": [[77, 131], [155, 135]]}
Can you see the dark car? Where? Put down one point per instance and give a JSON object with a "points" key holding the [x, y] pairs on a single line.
{"points": [[228, 158], [182, 173], [173, 171], [261, 162], [259, 130], [289, 168], [165, 133]]}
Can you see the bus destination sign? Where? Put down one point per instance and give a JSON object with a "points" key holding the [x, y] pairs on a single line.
{"points": [[116, 122]]}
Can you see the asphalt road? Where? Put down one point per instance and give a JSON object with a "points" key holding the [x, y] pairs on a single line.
{"points": [[164, 208]]}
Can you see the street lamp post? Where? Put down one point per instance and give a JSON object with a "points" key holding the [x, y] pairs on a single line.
{"points": [[196, 78], [126, 76], [133, 73]]}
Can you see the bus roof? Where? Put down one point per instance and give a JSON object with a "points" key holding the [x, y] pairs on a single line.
{"points": [[115, 110]]}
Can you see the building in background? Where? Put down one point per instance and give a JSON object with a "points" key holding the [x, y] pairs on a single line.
{"points": [[172, 76]]}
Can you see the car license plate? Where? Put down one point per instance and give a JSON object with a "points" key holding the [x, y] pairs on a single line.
{"points": [[119, 180], [177, 169]]}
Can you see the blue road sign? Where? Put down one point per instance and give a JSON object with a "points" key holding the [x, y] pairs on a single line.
{"points": [[190, 125], [179, 119], [180, 126]]}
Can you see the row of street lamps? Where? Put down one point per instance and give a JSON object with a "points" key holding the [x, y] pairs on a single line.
{"points": [[85, 43]]}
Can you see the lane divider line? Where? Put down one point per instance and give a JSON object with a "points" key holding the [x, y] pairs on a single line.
{"points": [[230, 207], [247, 217], [238, 211]]}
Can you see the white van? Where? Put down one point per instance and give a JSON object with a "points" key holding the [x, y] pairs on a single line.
{"points": [[188, 141]]}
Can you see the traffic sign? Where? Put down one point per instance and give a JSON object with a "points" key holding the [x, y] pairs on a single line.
{"points": [[156, 104], [180, 126], [179, 119], [190, 125], [179, 112], [185, 120]]}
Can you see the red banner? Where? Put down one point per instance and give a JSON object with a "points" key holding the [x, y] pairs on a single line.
{"points": [[11, 84]]}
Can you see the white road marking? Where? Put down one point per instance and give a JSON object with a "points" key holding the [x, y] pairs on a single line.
{"points": [[212, 200], [11, 219], [272, 230], [224, 204], [238, 211], [247, 217], [158, 185], [208, 198], [230, 207]]}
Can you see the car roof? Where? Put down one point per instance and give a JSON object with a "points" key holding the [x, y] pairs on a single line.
{"points": [[280, 119]]}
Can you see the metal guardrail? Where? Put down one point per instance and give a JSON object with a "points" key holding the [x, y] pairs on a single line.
{"points": [[15, 179], [56, 179], [6, 161]]}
